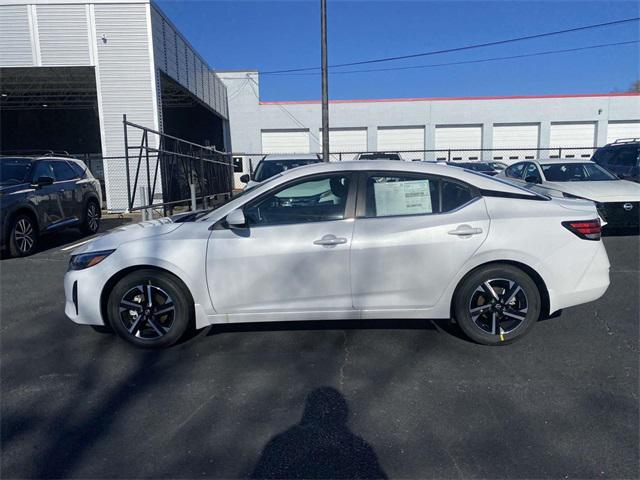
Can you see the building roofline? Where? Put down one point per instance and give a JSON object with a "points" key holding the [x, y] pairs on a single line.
{"points": [[440, 99]]}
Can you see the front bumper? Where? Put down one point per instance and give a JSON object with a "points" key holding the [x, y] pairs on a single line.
{"points": [[82, 291], [620, 214]]}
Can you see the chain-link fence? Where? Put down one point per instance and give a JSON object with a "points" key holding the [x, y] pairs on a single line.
{"points": [[247, 163]]}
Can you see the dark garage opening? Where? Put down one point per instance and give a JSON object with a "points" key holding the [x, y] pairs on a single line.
{"points": [[184, 116], [49, 108]]}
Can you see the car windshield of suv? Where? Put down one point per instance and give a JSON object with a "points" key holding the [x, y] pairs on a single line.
{"points": [[14, 170], [575, 172], [269, 168]]}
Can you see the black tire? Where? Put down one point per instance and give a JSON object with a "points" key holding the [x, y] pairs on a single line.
{"points": [[91, 220], [23, 236], [154, 327], [501, 314]]}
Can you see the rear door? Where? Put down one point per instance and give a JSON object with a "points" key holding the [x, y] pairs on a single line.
{"points": [[69, 190], [413, 233]]}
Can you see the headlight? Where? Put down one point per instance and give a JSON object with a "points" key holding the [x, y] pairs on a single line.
{"points": [[86, 260], [568, 195]]}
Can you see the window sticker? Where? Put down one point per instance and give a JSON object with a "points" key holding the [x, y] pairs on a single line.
{"points": [[402, 198]]}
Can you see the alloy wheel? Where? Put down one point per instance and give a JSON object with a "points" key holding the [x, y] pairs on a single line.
{"points": [[24, 235], [93, 217], [147, 312], [498, 306]]}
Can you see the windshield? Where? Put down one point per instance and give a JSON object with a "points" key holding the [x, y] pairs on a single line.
{"points": [[379, 156], [14, 170], [269, 168], [478, 167], [575, 172]]}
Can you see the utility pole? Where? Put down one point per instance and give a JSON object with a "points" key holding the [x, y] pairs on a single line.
{"points": [[325, 82]]}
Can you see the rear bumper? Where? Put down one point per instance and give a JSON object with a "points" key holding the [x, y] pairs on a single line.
{"points": [[592, 284]]}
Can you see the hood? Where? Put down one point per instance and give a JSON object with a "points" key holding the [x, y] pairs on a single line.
{"points": [[128, 233], [602, 191]]}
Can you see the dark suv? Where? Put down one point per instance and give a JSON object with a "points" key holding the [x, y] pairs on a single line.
{"points": [[621, 157], [44, 194]]}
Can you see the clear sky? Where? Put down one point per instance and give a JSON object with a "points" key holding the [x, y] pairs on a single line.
{"points": [[272, 35]]}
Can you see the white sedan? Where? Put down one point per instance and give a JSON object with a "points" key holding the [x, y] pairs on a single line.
{"points": [[348, 240], [618, 201]]}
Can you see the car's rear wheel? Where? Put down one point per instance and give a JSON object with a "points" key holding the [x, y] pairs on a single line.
{"points": [[497, 304], [91, 222], [150, 308], [23, 236]]}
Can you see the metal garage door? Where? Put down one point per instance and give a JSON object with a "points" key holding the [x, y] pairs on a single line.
{"points": [[456, 138], [346, 140], [618, 130], [567, 135], [401, 138], [285, 141], [508, 139]]}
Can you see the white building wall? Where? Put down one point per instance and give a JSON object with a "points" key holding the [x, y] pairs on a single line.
{"points": [[126, 75], [248, 116], [17, 48], [63, 32]]}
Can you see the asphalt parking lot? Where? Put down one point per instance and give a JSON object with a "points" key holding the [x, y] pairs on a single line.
{"points": [[396, 399]]}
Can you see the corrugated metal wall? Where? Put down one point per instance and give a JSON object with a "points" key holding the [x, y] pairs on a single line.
{"points": [[184, 65], [63, 34], [127, 85], [15, 37]]}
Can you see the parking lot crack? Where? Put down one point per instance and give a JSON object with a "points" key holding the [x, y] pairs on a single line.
{"points": [[604, 322], [345, 359]]}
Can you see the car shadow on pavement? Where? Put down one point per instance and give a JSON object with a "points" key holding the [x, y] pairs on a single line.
{"points": [[320, 445]]}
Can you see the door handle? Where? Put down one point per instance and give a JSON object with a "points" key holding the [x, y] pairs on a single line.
{"points": [[329, 240], [465, 231]]}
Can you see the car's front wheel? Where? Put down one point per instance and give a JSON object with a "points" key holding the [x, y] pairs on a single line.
{"points": [[150, 308], [23, 236], [497, 304]]}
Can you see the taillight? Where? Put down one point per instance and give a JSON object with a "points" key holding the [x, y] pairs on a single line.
{"points": [[586, 229]]}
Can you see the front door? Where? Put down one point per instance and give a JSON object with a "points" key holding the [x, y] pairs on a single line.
{"points": [[48, 201], [414, 234], [293, 255]]}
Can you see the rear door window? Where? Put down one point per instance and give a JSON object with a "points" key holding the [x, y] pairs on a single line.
{"points": [[393, 194], [63, 171]]}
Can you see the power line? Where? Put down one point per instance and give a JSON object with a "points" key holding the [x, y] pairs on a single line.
{"points": [[459, 49], [464, 62]]}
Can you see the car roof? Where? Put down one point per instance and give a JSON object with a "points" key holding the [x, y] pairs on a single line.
{"points": [[481, 181], [38, 157], [291, 156]]}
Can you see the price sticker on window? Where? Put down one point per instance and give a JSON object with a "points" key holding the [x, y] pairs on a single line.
{"points": [[402, 198]]}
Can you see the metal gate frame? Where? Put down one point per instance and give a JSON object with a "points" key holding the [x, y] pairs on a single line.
{"points": [[209, 172]]}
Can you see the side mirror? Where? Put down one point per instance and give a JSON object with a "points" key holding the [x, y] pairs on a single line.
{"points": [[43, 181], [236, 219], [531, 179], [245, 178]]}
